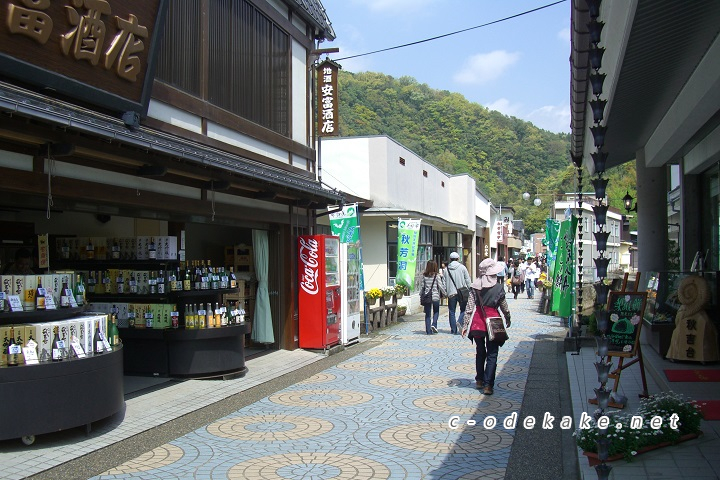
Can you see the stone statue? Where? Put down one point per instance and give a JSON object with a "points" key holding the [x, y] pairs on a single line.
{"points": [[695, 337]]}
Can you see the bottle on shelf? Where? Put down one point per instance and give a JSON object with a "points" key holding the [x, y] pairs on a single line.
{"points": [[233, 278], [39, 296], [90, 250], [174, 317], [187, 278], [152, 252], [79, 290], [104, 285], [115, 250], [120, 283], [113, 332], [209, 316], [214, 279], [64, 298], [205, 283], [217, 322], [57, 347], [132, 283], [189, 316], [92, 282], [224, 321], [12, 358], [97, 340], [153, 283], [160, 280], [174, 279]]}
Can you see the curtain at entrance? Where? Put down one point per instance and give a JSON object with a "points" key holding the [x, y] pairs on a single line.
{"points": [[262, 327]]}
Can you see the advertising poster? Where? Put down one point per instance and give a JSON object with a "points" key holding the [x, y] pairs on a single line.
{"points": [[408, 240], [564, 275]]}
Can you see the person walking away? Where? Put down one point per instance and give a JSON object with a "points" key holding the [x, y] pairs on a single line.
{"points": [[517, 278], [487, 296], [504, 273], [457, 277], [523, 267], [531, 275], [435, 283], [443, 273]]}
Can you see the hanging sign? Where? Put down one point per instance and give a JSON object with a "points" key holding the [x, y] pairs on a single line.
{"points": [[327, 95], [564, 274], [344, 224], [43, 252], [408, 241]]}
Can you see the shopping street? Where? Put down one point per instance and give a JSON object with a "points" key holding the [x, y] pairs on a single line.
{"points": [[379, 409]]}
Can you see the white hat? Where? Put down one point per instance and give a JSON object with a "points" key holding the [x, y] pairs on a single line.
{"points": [[454, 256]]}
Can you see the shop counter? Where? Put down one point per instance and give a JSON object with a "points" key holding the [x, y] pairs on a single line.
{"points": [[192, 353]]}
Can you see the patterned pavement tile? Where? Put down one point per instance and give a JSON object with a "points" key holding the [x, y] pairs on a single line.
{"points": [[384, 414]]}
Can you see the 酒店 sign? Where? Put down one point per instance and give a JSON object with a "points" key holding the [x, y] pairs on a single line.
{"points": [[97, 51], [327, 95]]}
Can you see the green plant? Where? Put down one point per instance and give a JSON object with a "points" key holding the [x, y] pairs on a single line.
{"points": [[627, 439], [400, 289], [373, 293], [401, 310]]}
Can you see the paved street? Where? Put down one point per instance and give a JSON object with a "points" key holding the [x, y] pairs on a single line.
{"points": [[383, 413]]}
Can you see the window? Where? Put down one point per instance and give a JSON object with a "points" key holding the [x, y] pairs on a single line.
{"points": [[425, 173], [402, 161], [442, 184], [248, 58]]}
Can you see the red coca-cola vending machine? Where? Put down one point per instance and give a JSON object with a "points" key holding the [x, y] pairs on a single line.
{"points": [[319, 292]]}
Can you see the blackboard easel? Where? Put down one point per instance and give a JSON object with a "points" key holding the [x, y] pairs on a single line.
{"points": [[625, 335]]}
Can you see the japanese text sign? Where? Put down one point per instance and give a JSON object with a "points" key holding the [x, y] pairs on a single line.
{"points": [[327, 95]]}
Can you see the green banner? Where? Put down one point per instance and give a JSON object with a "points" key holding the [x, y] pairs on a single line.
{"points": [[344, 223], [564, 275], [408, 239], [552, 228]]}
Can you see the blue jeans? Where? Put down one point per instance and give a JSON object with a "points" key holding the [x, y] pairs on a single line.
{"points": [[530, 287], [435, 309], [452, 305], [486, 353]]}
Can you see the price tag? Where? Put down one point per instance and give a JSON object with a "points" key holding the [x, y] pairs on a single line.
{"points": [[131, 314], [202, 312], [73, 301], [50, 303], [30, 353], [15, 303], [14, 349], [149, 315], [77, 348]]}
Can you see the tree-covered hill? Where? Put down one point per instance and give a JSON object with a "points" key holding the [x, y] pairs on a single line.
{"points": [[505, 155]]}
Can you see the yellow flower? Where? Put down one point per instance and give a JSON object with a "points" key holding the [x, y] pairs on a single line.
{"points": [[373, 293]]}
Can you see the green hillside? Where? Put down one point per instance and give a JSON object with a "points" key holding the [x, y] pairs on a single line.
{"points": [[505, 155]]}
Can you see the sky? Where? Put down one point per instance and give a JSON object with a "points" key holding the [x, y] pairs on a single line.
{"points": [[519, 67]]}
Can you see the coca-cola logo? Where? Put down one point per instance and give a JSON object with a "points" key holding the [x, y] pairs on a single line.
{"points": [[309, 265]]}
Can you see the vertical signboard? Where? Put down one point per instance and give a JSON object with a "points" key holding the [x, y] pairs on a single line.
{"points": [[564, 274], [327, 95], [345, 224], [408, 241]]}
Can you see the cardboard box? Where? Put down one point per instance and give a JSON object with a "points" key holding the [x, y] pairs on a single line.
{"points": [[141, 247]]}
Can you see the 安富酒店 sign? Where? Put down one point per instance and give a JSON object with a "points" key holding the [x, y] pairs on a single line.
{"points": [[97, 51], [327, 95]]}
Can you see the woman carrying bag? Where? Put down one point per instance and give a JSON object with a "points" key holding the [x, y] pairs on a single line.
{"points": [[434, 285], [486, 297]]}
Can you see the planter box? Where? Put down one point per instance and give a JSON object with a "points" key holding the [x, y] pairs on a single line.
{"points": [[593, 457]]}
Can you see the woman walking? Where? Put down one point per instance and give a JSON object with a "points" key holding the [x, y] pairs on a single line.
{"points": [[486, 297], [432, 282]]}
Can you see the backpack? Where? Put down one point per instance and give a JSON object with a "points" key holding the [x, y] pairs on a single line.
{"points": [[426, 297]]}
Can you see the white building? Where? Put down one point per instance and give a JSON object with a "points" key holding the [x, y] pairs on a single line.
{"points": [[397, 183]]}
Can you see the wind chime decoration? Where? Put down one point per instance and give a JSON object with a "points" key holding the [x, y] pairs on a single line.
{"points": [[603, 365]]}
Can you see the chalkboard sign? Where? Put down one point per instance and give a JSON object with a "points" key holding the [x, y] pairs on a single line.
{"points": [[625, 314]]}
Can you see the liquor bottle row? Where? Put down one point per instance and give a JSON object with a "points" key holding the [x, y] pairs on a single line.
{"points": [[196, 276], [57, 341], [126, 248], [161, 316], [41, 292]]}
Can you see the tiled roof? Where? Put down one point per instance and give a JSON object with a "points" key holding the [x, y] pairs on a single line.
{"points": [[315, 13]]}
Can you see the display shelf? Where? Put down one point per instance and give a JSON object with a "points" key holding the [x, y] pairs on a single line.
{"points": [[35, 316], [111, 264], [179, 352], [53, 396]]}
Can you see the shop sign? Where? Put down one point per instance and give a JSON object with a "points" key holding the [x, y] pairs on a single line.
{"points": [[327, 95], [99, 51], [500, 231]]}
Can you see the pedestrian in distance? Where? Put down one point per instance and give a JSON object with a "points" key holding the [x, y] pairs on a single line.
{"points": [[503, 274], [486, 298], [531, 275], [517, 278], [434, 283], [457, 277]]}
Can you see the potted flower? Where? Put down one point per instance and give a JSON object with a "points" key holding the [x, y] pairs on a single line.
{"points": [[372, 295], [627, 439], [388, 293], [400, 290], [401, 310]]}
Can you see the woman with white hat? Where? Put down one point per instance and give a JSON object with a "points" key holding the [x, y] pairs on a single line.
{"points": [[486, 297]]}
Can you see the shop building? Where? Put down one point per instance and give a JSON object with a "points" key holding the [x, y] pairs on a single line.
{"points": [[185, 120]]}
